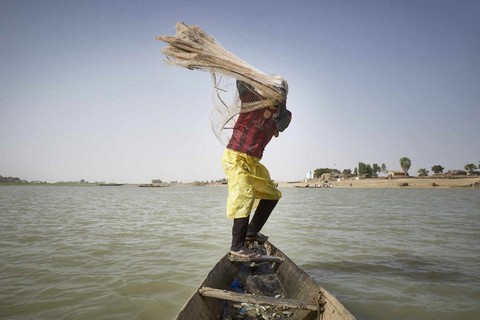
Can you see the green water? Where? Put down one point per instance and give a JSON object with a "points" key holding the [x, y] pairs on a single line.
{"points": [[139, 253]]}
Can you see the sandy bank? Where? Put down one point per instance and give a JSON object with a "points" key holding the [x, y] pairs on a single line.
{"points": [[406, 183]]}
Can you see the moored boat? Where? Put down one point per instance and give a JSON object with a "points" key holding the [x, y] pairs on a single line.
{"points": [[272, 287]]}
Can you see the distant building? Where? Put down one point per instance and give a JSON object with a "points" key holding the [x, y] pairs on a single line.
{"points": [[309, 175], [327, 176], [396, 174], [456, 173]]}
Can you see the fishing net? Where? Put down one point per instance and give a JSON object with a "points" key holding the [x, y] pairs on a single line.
{"points": [[194, 49]]}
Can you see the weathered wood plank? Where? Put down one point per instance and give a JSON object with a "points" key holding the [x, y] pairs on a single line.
{"points": [[250, 298], [263, 258]]}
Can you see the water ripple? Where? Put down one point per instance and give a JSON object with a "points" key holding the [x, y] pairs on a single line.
{"points": [[128, 252]]}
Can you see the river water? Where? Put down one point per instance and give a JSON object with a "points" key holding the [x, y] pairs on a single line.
{"points": [[139, 253]]}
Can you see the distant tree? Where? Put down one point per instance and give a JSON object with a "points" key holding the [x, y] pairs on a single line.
{"points": [[156, 181], [369, 171], [355, 171], [318, 172], [437, 169], [376, 170], [11, 180], [470, 168], [362, 169], [384, 168], [336, 171], [405, 164], [423, 172], [347, 173]]}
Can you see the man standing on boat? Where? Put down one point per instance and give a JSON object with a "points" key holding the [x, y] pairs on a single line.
{"points": [[248, 180], [262, 115]]}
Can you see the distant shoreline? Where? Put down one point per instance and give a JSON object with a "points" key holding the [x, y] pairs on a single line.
{"points": [[400, 183], [368, 183]]}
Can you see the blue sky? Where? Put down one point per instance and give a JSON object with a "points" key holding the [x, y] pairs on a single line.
{"points": [[85, 92]]}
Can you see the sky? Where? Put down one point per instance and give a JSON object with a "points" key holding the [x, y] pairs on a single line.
{"points": [[85, 92]]}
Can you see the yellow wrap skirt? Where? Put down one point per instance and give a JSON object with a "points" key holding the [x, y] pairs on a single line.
{"points": [[248, 180]]}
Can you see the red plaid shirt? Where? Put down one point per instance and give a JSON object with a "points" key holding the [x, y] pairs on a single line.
{"points": [[253, 131]]}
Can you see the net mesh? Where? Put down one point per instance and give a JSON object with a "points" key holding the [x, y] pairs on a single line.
{"points": [[226, 107], [194, 49]]}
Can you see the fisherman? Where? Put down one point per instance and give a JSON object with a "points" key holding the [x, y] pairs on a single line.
{"points": [[248, 179]]}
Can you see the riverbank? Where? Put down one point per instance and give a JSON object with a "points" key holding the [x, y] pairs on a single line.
{"points": [[372, 183], [382, 183]]}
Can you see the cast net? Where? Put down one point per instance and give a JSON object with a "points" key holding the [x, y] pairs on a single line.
{"points": [[194, 49]]}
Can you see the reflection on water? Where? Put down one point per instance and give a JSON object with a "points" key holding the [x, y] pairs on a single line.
{"points": [[128, 252]]}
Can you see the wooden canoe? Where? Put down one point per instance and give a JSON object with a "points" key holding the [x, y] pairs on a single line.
{"points": [[302, 298]]}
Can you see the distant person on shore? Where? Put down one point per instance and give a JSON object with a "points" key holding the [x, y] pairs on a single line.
{"points": [[248, 180]]}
